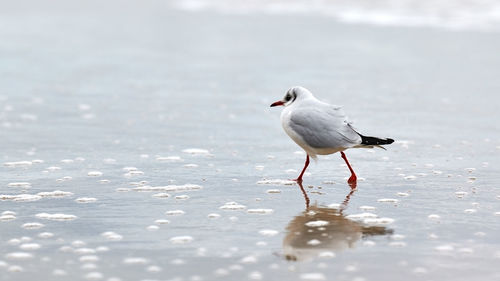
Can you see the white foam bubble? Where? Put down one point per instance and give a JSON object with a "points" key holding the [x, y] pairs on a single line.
{"points": [[78, 243], [89, 258], [153, 268], [470, 211], [273, 191], [55, 194], [277, 182], [168, 158], [232, 206], [317, 223], [260, 211], [255, 275], [85, 200], [434, 217], [133, 174], [152, 228], [14, 241], [56, 217], [94, 174], [46, 235], [53, 168], [312, 276], [191, 166], [378, 221], [7, 217], [168, 188], [249, 259], [19, 184], [161, 221], [15, 268], [32, 225], [181, 239], [112, 236], [445, 248], [259, 167], [84, 251], [182, 197], [18, 164], [388, 200], [161, 195], [213, 216], [313, 242], [19, 256], [362, 216], [20, 197], [398, 244], [175, 213], [268, 232], [30, 246], [196, 151], [94, 276]]}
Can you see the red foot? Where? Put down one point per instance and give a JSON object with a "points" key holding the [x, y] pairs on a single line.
{"points": [[352, 179], [353, 182]]}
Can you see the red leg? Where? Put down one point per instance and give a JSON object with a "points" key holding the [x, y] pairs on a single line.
{"points": [[299, 179], [352, 180]]}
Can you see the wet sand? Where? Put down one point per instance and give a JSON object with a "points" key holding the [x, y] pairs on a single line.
{"points": [[139, 145]]}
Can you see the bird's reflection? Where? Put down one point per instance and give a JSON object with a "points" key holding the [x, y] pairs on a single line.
{"points": [[333, 232]]}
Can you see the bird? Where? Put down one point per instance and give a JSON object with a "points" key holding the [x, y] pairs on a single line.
{"points": [[320, 128]]}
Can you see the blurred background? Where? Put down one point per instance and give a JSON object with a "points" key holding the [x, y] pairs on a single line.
{"points": [[103, 99]]}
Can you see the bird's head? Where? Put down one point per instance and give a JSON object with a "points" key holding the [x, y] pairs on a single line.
{"points": [[292, 95]]}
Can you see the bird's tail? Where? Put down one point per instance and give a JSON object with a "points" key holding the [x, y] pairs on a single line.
{"points": [[375, 141], [371, 142]]}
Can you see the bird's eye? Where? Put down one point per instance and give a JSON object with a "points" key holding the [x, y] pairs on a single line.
{"points": [[288, 97]]}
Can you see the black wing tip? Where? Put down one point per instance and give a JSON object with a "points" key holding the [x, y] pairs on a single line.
{"points": [[375, 141]]}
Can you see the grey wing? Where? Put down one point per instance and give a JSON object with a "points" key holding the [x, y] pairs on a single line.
{"points": [[324, 126]]}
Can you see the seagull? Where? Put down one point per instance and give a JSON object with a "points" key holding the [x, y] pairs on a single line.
{"points": [[321, 129]]}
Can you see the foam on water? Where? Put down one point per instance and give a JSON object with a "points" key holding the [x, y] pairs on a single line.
{"points": [[19, 184], [175, 213], [277, 182], [168, 159], [317, 223], [85, 200], [55, 217], [94, 174], [21, 197], [16, 164], [314, 276], [260, 211], [55, 194], [170, 188], [19, 256], [268, 232], [32, 225], [232, 206], [181, 239], [30, 246], [196, 151], [112, 236]]}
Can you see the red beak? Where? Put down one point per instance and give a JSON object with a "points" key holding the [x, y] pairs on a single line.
{"points": [[278, 103]]}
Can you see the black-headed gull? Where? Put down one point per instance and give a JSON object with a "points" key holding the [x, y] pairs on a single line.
{"points": [[320, 128]]}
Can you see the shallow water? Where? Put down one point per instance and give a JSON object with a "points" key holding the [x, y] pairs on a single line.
{"points": [[134, 149]]}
